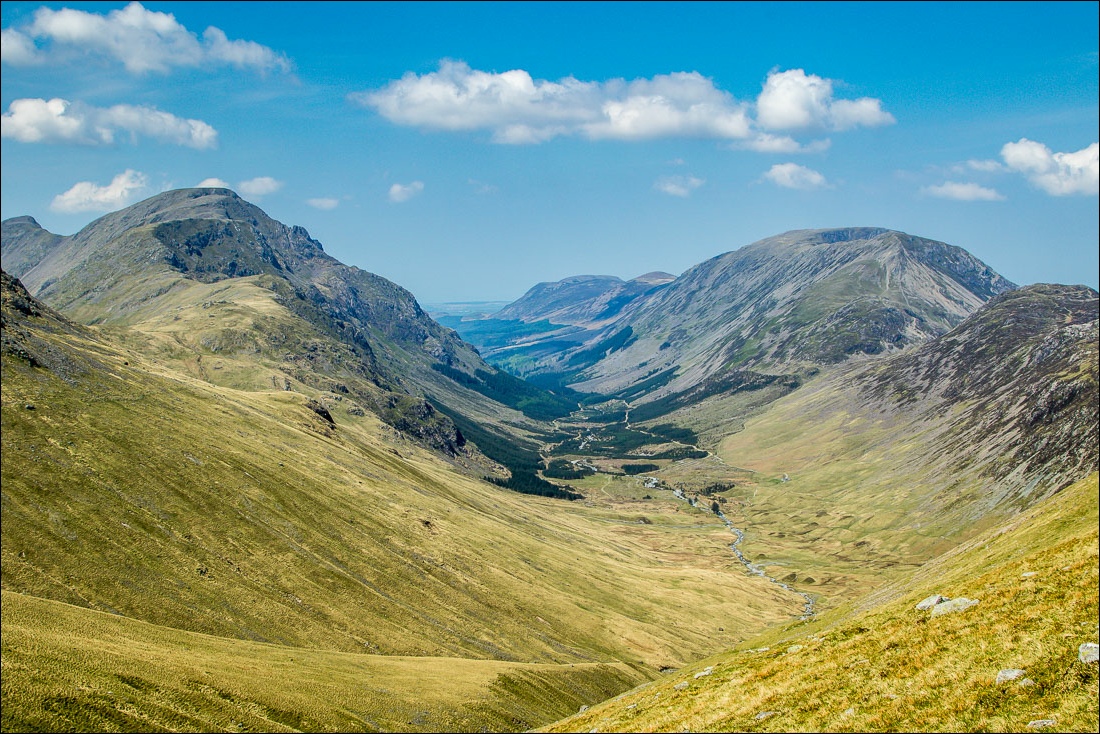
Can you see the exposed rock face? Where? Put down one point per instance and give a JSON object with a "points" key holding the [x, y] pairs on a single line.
{"points": [[1026, 366]]}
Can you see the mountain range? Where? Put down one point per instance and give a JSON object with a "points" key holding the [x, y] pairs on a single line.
{"points": [[248, 486]]}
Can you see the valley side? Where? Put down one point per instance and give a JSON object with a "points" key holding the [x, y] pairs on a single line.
{"points": [[246, 486]]}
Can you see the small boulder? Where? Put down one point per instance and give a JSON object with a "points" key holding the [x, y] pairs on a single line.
{"points": [[1041, 723], [953, 605], [1028, 574], [1088, 652], [1008, 674], [765, 714], [681, 685], [794, 648], [929, 602]]}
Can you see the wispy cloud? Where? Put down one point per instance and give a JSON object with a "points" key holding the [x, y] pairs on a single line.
{"points": [[60, 121], [259, 186], [142, 40], [481, 187], [87, 196], [324, 203], [1058, 174], [400, 193], [213, 183], [680, 186], [962, 192], [516, 108], [794, 176]]}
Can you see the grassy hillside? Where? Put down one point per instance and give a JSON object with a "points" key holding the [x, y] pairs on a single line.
{"points": [[291, 519], [68, 668], [886, 666]]}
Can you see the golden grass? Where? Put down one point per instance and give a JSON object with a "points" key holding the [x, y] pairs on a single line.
{"points": [[68, 668], [886, 666]]}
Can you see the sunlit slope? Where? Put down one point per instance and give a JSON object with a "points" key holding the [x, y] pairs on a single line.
{"points": [[68, 668], [894, 461], [891, 667], [133, 490]]}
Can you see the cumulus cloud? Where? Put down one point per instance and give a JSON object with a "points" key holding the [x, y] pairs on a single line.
{"points": [[400, 193], [142, 40], [213, 183], [681, 186], [1059, 174], [795, 100], [962, 192], [57, 120], [87, 196], [259, 186], [519, 109], [794, 176], [324, 203]]}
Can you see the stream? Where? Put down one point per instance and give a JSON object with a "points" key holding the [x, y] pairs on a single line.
{"points": [[808, 609]]}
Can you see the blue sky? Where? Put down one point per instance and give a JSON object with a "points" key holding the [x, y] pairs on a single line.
{"points": [[467, 151]]}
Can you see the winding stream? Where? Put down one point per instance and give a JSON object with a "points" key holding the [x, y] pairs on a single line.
{"points": [[808, 609]]}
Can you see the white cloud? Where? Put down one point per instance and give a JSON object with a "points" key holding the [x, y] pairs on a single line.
{"points": [[57, 120], [962, 192], [86, 196], [17, 49], [795, 100], [213, 183], [400, 193], [519, 109], [794, 176], [325, 203], [142, 40], [1059, 174], [985, 166], [768, 143], [259, 186], [681, 186]]}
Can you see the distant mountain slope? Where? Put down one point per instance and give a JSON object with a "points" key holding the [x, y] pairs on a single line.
{"points": [[583, 300], [788, 304], [293, 311]]}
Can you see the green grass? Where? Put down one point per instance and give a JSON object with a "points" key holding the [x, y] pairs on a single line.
{"points": [[885, 666]]}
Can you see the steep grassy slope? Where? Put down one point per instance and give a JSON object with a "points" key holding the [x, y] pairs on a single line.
{"points": [[887, 666], [291, 518], [69, 668], [151, 266]]}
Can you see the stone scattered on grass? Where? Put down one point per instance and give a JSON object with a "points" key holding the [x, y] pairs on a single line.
{"points": [[1026, 683], [1041, 723], [1088, 652], [1009, 674], [707, 671], [1028, 574], [929, 602], [765, 714], [794, 648], [681, 685], [953, 605]]}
